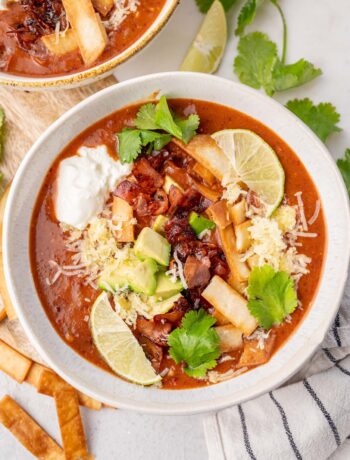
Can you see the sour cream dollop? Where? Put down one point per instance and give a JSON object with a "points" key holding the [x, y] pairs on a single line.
{"points": [[83, 184]]}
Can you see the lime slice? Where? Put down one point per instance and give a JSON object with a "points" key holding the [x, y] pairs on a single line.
{"points": [[255, 163], [208, 47], [117, 344]]}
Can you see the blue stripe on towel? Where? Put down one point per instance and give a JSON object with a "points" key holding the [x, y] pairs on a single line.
{"points": [[323, 410], [335, 362], [335, 329], [245, 434]]}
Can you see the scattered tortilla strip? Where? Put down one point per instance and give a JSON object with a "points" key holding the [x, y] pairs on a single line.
{"points": [[35, 373], [71, 425], [13, 363], [238, 212], [206, 151], [239, 286], [218, 212], [28, 432], [240, 271], [231, 304], [3, 313], [204, 173], [122, 214], [90, 33], [230, 338], [48, 383], [253, 355], [21, 341], [103, 6], [209, 193], [221, 320], [243, 239], [62, 43]]}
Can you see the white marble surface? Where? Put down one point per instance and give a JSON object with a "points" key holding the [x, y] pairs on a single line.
{"points": [[318, 31]]}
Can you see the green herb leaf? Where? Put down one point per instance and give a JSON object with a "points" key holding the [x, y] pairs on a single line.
{"points": [[145, 118], [344, 167], [130, 145], [322, 118], [165, 120], [196, 343], [204, 5], [257, 56], [188, 127], [292, 75], [2, 132], [200, 223], [246, 15], [271, 296]]}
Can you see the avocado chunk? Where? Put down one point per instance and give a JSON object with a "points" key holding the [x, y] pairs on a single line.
{"points": [[159, 224], [139, 276], [166, 287], [200, 223], [160, 308], [151, 244]]}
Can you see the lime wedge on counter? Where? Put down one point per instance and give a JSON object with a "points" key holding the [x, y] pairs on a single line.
{"points": [[255, 163], [208, 47], [118, 345]]}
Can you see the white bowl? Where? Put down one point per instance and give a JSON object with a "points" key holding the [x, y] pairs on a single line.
{"points": [[97, 72], [103, 385]]}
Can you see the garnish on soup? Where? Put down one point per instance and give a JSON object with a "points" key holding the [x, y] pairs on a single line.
{"points": [[177, 243]]}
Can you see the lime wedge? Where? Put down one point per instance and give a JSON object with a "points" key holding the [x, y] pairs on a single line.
{"points": [[255, 163], [208, 47], [117, 344]]}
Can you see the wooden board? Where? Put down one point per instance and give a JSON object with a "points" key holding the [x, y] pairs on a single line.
{"points": [[28, 114]]}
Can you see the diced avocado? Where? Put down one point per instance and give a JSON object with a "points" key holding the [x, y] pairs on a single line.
{"points": [[159, 224], [139, 276], [151, 244], [166, 287], [200, 223], [160, 308], [168, 182]]}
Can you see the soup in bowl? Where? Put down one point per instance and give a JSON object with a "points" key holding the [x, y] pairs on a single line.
{"points": [[177, 243], [64, 42]]}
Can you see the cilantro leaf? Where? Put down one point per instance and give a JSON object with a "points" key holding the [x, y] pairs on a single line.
{"points": [[2, 131], [322, 118], [196, 343], [246, 15], [188, 127], [145, 118], [204, 5], [344, 167], [271, 296], [257, 56], [292, 75], [130, 145], [165, 120]]}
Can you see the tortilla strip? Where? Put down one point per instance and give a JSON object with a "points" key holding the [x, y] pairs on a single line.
{"points": [[206, 151], [253, 355], [48, 383], [3, 313], [218, 212], [90, 33], [28, 432], [103, 6], [204, 173], [71, 425], [13, 363], [62, 43], [122, 214], [230, 338]]}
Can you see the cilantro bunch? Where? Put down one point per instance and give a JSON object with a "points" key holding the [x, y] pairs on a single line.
{"points": [[271, 296], [195, 343], [154, 128]]}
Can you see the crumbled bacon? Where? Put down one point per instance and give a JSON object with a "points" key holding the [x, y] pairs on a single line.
{"points": [[178, 230], [156, 332], [180, 308], [147, 177], [153, 352], [128, 191], [197, 272]]}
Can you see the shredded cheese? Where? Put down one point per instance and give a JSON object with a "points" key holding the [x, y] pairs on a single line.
{"points": [[180, 270], [301, 211], [315, 215], [121, 11]]}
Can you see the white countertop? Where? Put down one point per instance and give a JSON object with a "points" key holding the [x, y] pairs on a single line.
{"points": [[318, 31]]}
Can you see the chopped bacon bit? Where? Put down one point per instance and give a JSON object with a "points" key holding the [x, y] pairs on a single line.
{"points": [[153, 352], [147, 177], [156, 332], [128, 191], [197, 272], [178, 230]]}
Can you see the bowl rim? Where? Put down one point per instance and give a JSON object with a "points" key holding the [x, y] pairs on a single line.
{"points": [[96, 72], [310, 343]]}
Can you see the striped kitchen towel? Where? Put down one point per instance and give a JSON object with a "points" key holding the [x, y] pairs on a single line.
{"points": [[308, 418]]}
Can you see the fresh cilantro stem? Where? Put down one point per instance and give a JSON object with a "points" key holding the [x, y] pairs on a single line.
{"points": [[285, 32]]}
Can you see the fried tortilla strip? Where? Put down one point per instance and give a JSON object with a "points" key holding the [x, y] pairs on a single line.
{"points": [[240, 271], [28, 432], [62, 43], [230, 304], [221, 320], [103, 6], [243, 239], [230, 338], [218, 212], [253, 355], [122, 214], [35, 373], [90, 33], [48, 383], [204, 174], [206, 151], [238, 212], [3, 313], [71, 425], [13, 363]]}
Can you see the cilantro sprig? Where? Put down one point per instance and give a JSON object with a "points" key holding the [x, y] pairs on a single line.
{"points": [[195, 343], [258, 65], [344, 167], [271, 296], [322, 118], [150, 120], [204, 5]]}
